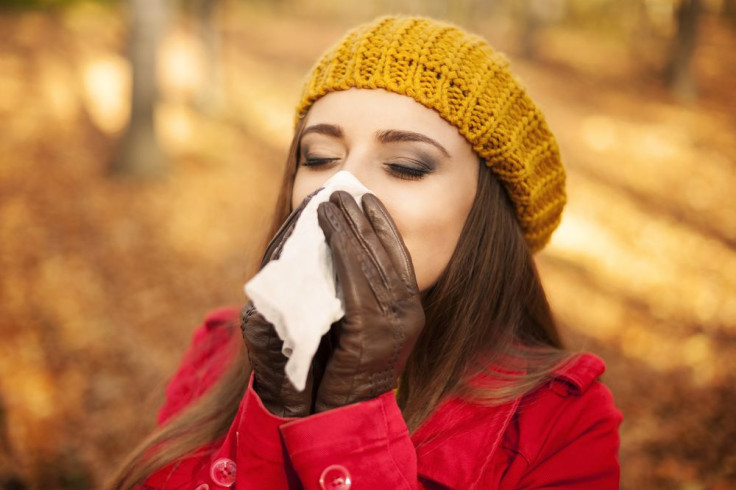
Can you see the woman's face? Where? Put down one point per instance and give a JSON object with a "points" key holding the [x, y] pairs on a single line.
{"points": [[414, 161]]}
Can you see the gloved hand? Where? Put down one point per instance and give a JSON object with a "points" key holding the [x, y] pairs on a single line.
{"points": [[264, 345], [383, 311], [264, 354]]}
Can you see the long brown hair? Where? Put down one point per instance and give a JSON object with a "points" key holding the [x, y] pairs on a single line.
{"points": [[488, 308]]}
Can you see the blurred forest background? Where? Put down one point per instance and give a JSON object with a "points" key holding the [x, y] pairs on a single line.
{"points": [[140, 152]]}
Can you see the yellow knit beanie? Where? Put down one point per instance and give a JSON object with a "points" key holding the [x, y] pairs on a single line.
{"points": [[470, 85]]}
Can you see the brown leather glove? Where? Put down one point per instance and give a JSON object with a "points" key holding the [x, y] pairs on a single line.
{"points": [[264, 345], [264, 354], [383, 311]]}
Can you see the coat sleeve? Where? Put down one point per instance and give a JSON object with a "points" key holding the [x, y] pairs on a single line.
{"points": [[360, 446], [367, 442], [203, 362], [579, 449]]}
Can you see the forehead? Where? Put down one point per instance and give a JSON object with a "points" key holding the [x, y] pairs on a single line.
{"points": [[376, 110]]}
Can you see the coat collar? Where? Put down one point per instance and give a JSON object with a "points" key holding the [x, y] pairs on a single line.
{"points": [[460, 432], [463, 433]]}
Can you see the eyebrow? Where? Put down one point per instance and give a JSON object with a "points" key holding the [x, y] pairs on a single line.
{"points": [[385, 136], [326, 129], [397, 136]]}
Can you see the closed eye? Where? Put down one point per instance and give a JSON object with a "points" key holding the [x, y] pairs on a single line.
{"points": [[408, 172], [317, 161]]}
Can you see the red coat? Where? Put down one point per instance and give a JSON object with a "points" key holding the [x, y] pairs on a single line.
{"points": [[563, 435]]}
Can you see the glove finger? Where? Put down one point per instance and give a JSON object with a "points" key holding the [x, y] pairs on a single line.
{"points": [[389, 236], [363, 231], [260, 335], [276, 245], [324, 354], [356, 271]]}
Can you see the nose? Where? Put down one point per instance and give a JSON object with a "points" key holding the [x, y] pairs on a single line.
{"points": [[360, 167]]}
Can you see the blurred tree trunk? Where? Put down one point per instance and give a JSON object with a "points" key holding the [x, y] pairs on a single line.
{"points": [[729, 11], [210, 96], [139, 153], [280, 5], [467, 12], [9, 479], [529, 22], [679, 72]]}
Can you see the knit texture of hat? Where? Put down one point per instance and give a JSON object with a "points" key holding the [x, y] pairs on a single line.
{"points": [[470, 85]]}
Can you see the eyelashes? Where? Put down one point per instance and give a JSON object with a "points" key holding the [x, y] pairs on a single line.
{"points": [[406, 170], [316, 162]]}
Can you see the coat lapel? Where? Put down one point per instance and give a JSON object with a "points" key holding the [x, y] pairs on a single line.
{"points": [[457, 443]]}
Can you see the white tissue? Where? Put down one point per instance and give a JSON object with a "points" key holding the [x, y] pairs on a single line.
{"points": [[297, 293]]}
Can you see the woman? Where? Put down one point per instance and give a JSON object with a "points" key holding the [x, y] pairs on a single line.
{"points": [[442, 298]]}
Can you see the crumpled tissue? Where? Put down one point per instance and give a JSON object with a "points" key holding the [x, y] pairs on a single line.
{"points": [[298, 292]]}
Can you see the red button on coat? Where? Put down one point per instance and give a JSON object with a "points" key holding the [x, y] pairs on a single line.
{"points": [[335, 477], [223, 472]]}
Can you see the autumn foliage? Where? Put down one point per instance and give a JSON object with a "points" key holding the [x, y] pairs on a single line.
{"points": [[103, 278]]}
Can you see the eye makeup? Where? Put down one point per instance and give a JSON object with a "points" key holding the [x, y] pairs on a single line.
{"points": [[402, 154]]}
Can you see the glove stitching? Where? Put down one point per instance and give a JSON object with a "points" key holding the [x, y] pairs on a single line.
{"points": [[363, 243], [357, 369], [342, 244], [285, 231], [407, 264], [399, 340], [248, 312], [277, 243], [282, 241], [384, 380], [368, 265]]}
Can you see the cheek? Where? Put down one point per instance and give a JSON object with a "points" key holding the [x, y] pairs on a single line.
{"points": [[305, 183], [430, 221], [431, 235]]}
